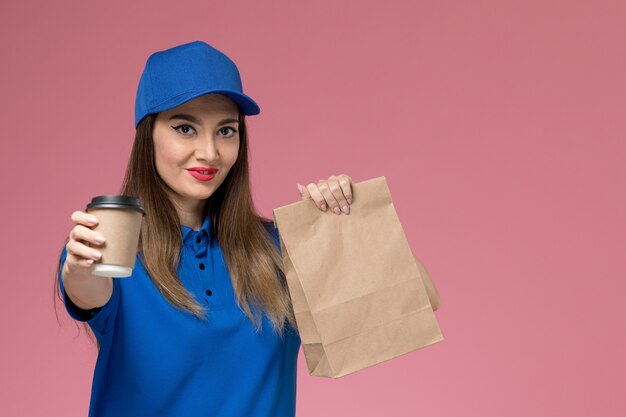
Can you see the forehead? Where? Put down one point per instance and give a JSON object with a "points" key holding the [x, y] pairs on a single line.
{"points": [[208, 104]]}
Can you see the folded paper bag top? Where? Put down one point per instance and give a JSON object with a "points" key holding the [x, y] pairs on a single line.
{"points": [[356, 289]]}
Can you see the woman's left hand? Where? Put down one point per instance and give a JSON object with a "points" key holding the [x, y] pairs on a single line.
{"points": [[335, 192]]}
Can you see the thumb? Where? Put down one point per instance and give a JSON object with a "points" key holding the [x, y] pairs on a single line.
{"points": [[304, 192]]}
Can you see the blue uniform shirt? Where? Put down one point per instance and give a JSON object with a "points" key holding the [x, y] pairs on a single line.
{"points": [[155, 360]]}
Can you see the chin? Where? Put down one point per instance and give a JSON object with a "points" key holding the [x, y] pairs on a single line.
{"points": [[206, 194]]}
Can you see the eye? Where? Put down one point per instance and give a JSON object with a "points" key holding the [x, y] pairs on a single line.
{"points": [[183, 129], [227, 131]]}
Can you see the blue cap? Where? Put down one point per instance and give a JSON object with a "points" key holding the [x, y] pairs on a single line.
{"points": [[184, 72]]}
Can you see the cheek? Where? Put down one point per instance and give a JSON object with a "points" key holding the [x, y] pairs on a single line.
{"points": [[231, 154], [166, 158]]}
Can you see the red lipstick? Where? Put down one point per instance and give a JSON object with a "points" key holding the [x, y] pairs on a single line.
{"points": [[202, 173]]}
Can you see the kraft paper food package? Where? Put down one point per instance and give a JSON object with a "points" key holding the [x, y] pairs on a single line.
{"points": [[356, 287]]}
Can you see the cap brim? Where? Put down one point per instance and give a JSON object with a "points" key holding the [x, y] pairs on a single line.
{"points": [[245, 103]]}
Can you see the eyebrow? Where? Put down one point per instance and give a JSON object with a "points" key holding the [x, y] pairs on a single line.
{"points": [[193, 119]]}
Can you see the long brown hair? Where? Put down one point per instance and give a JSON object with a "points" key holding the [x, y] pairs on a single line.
{"points": [[252, 258]]}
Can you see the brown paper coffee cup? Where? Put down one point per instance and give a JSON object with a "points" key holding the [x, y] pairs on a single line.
{"points": [[119, 221]]}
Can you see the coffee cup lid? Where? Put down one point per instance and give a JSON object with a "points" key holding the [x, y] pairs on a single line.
{"points": [[117, 201]]}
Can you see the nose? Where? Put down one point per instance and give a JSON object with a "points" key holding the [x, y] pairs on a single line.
{"points": [[207, 150]]}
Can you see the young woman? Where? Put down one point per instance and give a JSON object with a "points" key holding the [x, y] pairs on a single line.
{"points": [[204, 326]]}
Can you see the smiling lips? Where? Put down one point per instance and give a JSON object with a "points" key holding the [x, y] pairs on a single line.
{"points": [[202, 173]]}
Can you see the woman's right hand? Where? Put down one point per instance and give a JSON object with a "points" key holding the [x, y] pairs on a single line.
{"points": [[87, 291], [80, 255]]}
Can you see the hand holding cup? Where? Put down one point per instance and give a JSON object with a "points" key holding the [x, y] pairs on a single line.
{"points": [[80, 255], [120, 219]]}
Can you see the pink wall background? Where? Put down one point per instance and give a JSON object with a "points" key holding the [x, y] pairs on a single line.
{"points": [[500, 126]]}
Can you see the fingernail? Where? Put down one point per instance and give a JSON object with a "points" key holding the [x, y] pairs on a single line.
{"points": [[349, 200], [336, 210], [92, 220], [346, 209], [300, 189], [324, 207], [99, 239], [96, 255]]}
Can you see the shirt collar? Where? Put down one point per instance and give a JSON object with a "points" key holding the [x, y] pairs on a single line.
{"points": [[198, 238]]}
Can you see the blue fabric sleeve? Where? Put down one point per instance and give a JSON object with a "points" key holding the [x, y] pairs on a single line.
{"points": [[100, 319]]}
